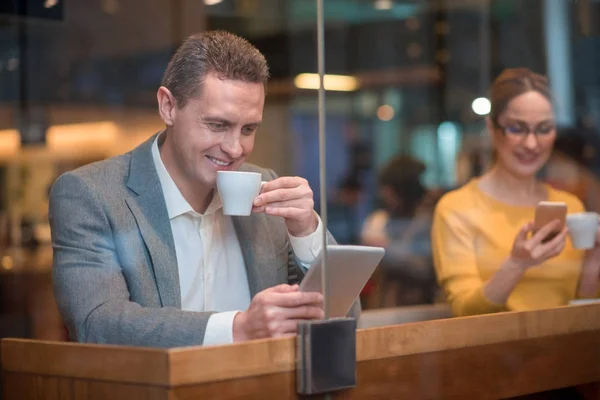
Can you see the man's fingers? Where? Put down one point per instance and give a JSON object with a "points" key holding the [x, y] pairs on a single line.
{"points": [[284, 182], [284, 208], [295, 203], [283, 288], [284, 194], [284, 328], [302, 313], [295, 299], [292, 213], [288, 328]]}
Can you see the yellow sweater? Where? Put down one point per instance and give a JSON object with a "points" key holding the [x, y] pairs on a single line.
{"points": [[473, 234]]}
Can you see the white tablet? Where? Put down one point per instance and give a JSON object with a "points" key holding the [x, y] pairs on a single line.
{"points": [[349, 267]]}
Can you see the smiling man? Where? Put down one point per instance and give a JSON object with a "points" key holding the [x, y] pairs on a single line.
{"points": [[143, 254]]}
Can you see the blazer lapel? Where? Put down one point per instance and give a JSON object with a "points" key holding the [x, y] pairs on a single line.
{"points": [[263, 265], [150, 212]]}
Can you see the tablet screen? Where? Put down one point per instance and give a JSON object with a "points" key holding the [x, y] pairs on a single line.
{"points": [[349, 267]]}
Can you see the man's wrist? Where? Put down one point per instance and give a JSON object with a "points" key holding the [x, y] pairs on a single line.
{"points": [[238, 329], [308, 231], [307, 248]]}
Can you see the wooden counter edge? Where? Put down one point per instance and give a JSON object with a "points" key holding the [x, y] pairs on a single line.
{"points": [[86, 361], [196, 365]]}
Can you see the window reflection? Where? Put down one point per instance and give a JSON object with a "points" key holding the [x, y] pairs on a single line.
{"points": [[78, 84]]}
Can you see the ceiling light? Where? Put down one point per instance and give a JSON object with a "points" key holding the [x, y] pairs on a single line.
{"points": [[383, 4], [481, 106], [343, 83], [385, 112]]}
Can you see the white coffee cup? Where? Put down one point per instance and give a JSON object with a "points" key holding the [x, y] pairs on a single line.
{"points": [[238, 190], [582, 229]]}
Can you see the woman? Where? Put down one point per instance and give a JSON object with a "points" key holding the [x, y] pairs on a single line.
{"points": [[486, 256]]}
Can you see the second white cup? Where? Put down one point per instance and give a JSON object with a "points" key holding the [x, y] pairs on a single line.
{"points": [[238, 190], [582, 229]]}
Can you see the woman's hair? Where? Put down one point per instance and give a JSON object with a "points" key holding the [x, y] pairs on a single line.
{"points": [[513, 82]]}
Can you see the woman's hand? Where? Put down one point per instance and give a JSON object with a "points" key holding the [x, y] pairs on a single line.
{"points": [[589, 279], [528, 252], [596, 248]]}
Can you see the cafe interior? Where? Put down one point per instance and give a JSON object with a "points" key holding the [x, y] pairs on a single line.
{"points": [[406, 96]]}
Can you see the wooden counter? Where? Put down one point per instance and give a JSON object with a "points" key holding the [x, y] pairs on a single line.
{"points": [[484, 357]]}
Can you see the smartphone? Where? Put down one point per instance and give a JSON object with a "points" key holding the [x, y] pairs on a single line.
{"points": [[548, 211]]}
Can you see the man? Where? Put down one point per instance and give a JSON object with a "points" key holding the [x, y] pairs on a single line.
{"points": [[143, 254]]}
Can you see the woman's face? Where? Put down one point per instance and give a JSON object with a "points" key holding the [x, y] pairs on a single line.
{"points": [[524, 134]]}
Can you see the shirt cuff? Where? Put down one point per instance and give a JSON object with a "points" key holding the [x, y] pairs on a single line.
{"points": [[219, 329], [307, 248]]}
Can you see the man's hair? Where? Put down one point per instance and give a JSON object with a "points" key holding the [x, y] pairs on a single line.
{"points": [[219, 52]]}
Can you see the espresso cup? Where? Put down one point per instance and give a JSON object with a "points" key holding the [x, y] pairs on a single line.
{"points": [[238, 190], [582, 229]]}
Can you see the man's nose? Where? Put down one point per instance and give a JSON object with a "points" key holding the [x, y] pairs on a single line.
{"points": [[232, 146]]}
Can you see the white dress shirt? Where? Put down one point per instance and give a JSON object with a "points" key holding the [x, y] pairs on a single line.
{"points": [[212, 273]]}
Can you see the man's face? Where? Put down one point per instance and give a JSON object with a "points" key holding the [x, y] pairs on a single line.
{"points": [[214, 131]]}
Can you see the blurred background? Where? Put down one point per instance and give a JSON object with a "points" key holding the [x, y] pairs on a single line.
{"points": [[406, 100]]}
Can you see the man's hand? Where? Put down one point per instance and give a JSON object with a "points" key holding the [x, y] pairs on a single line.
{"points": [[289, 197], [275, 312]]}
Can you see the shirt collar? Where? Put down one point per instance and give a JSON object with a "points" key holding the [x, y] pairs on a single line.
{"points": [[176, 204]]}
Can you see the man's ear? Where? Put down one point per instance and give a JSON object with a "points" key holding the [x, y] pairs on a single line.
{"points": [[167, 105]]}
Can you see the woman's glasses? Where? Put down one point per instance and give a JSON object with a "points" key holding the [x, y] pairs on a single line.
{"points": [[521, 130]]}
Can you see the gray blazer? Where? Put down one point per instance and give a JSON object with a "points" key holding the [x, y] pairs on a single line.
{"points": [[115, 271]]}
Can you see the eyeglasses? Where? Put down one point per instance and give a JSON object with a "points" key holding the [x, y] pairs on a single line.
{"points": [[521, 130]]}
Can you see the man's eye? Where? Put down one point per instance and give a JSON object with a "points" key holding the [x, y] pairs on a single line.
{"points": [[249, 130], [216, 126]]}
